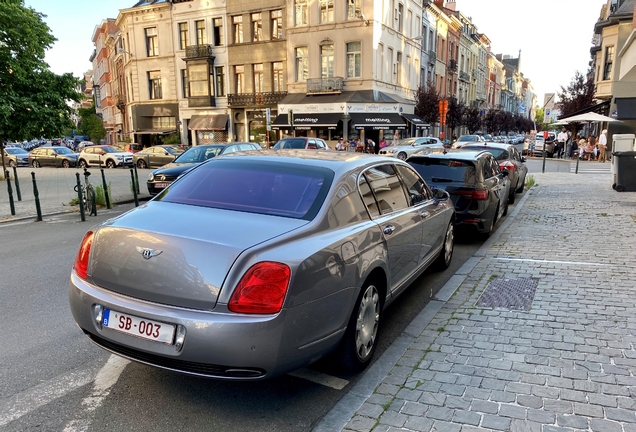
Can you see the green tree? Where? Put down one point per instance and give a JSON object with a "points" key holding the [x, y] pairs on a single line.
{"points": [[91, 125], [455, 116], [577, 96], [427, 103], [33, 100], [472, 119]]}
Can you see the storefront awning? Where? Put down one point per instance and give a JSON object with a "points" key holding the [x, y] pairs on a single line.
{"points": [[155, 132], [208, 122], [308, 121], [378, 121], [416, 121]]}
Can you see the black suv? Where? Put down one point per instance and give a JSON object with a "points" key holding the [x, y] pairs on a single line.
{"points": [[478, 188]]}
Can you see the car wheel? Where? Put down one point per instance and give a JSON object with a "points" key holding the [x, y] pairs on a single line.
{"points": [[505, 211], [36, 164], [520, 188], [110, 163], [360, 339], [446, 254], [401, 156], [82, 163], [511, 197], [491, 229], [141, 164], [66, 164]]}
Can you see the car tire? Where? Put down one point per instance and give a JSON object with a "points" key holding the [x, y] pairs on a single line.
{"points": [[446, 254], [82, 163], [505, 211], [491, 229], [511, 197], [401, 156], [359, 342], [141, 164], [110, 163], [523, 183], [35, 164], [66, 164]]}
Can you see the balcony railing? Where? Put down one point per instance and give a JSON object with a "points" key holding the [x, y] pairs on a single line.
{"points": [[464, 76], [324, 85], [432, 57], [255, 99], [198, 51], [452, 66]]}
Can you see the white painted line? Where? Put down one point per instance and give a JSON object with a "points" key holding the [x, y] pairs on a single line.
{"points": [[105, 379], [29, 400], [555, 262], [320, 378]]}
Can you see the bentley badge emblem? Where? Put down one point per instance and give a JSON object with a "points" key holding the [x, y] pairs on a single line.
{"points": [[148, 253]]}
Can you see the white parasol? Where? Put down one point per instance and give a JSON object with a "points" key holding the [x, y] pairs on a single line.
{"points": [[587, 117]]}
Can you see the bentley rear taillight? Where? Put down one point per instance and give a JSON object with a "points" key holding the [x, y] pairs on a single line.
{"points": [[262, 289], [81, 260], [507, 165], [476, 194]]}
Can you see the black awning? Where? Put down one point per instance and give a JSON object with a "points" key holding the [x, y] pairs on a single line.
{"points": [[308, 121], [378, 121], [208, 122], [599, 108], [417, 122]]}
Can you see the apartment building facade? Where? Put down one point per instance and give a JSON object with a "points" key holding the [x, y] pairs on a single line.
{"points": [[102, 38]]}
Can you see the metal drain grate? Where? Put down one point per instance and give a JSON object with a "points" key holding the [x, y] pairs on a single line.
{"points": [[514, 294]]}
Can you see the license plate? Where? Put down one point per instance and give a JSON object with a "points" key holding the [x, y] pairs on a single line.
{"points": [[161, 185], [140, 327]]}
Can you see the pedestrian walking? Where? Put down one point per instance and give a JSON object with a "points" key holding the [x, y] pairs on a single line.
{"points": [[602, 145], [562, 137]]}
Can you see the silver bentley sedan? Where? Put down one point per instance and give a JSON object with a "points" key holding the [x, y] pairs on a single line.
{"points": [[255, 264], [409, 146]]}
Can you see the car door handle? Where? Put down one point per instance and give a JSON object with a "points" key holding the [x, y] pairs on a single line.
{"points": [[424, 214], [388, 230]]}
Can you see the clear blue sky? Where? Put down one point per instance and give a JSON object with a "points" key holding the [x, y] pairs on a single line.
{"points": [[554, 36], [72, 22]]}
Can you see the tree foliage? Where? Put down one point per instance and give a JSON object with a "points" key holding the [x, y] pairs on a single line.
{"points": [[90, 124], [455, 116], [427, 103], [33, 100], [472, 119], [578, 95]]}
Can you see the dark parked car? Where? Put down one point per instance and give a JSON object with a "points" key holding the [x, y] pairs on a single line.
{"points": [[255, 264], [508, 158], [161, 178], [16, 156], [478, 188], [301, 143], [156, 156], [57, 156]]}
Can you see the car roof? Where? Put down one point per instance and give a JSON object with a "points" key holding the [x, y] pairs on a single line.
{"points": [[459, 154], [484, 145]]}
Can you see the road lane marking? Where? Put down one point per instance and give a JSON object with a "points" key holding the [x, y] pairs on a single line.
{"points": [[105, 379], [320, 378]]}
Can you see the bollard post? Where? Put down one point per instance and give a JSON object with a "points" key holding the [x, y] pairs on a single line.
{"points": [[36, 194], [134, 189], [136, 179], [576, 171], [80, 198], [105, 189], [544, 152], [11, 204], [17, 183]]}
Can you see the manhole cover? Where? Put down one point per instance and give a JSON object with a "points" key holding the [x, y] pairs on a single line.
{"points": [[509, 293]]}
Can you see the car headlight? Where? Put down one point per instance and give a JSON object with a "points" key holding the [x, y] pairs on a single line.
{"points": [[151, 176]]}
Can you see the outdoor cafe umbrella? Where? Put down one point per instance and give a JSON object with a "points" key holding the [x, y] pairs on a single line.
{"points": [[587, 117]]}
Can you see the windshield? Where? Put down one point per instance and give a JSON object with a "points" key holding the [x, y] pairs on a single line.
{"points": [[439, 170], [63, 150], [199, 154], [109, 149], [468, 138], [499, 154], [406, 142], [173, 149], [269, 188], [15, 151], [290, 144]]}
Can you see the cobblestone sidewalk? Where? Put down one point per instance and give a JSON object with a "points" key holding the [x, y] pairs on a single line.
{"points": [[563, 360]]}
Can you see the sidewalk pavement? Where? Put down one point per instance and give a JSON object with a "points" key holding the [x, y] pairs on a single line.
{"points": [[55, 189], [536, 332]]}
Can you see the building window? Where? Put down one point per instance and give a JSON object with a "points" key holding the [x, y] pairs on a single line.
{"points": [[408, 71], [609, 60], [201, 39], [183, 35], [277, 24], [152, 42], [391, 75], [258, 78], [239, 79], [400, 12], [353, 59], [220, 80], [198, 77], [154, 85], [409, 23], [257, 27], [302, 64], [326, 61], [326, 11], [354, 9], [399, 68], [164, 122], [237, 22], [300, 12], [277, 75], [218, 31], [381, 62], [184, 83]]}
